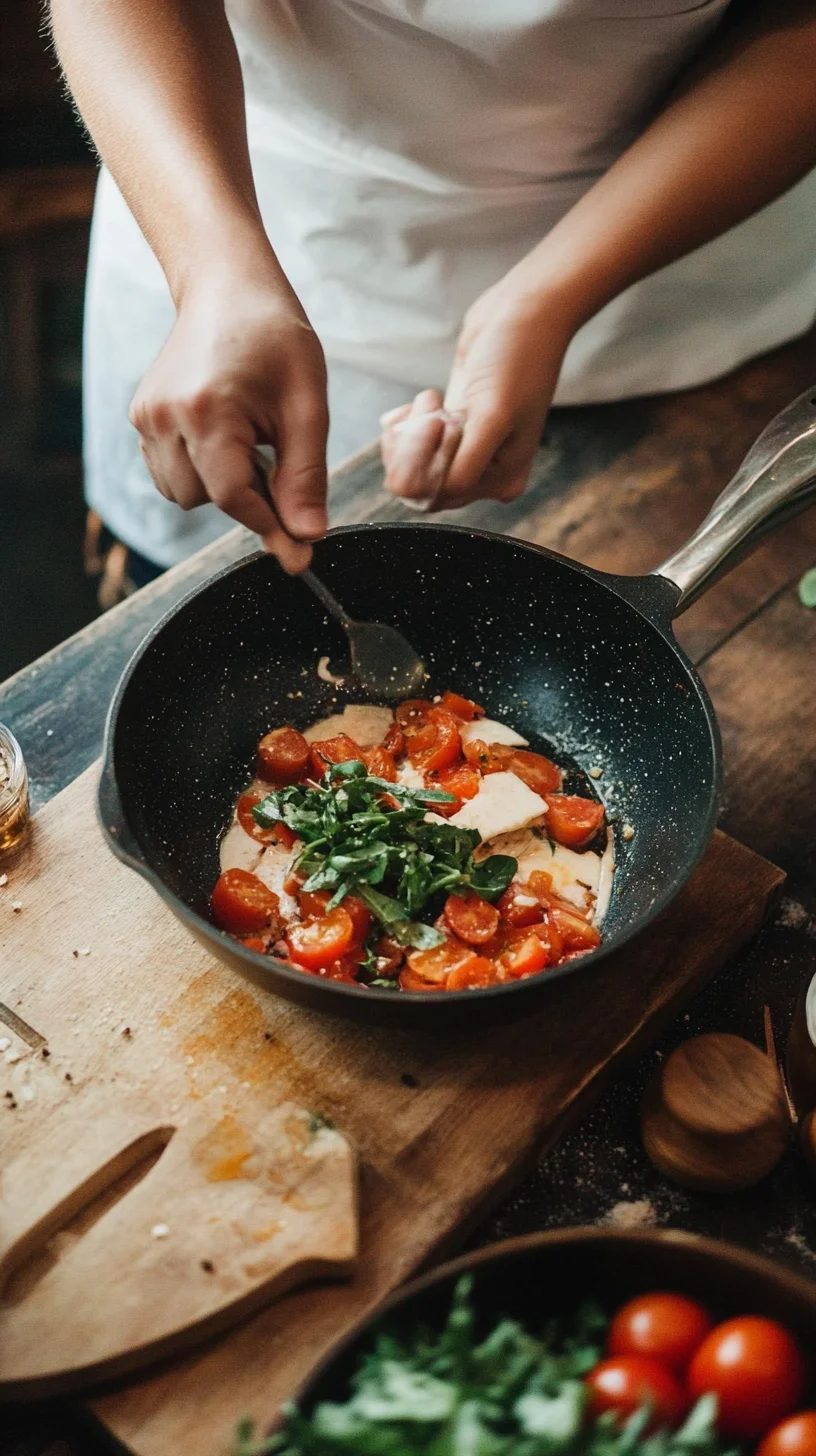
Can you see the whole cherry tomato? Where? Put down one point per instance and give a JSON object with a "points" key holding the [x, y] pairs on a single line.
{"points": [[755, 1368], [665, 1327], [283, 756], [795, 1437], [627, 1382]]}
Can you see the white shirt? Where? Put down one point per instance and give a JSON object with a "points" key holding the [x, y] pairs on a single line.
{"points": [[406, 154]]}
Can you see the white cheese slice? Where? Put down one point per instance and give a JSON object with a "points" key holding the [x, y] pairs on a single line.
{"points": [[273, 869], [238, 850], [605, 880], [409, 776], [575, 877], [503, 803], [491, 732], [366, 723]]}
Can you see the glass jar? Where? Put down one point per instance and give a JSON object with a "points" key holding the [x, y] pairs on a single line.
{"points": [[14, 810]]}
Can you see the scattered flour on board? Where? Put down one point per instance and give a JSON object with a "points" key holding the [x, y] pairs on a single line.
{"points": [[795, 917], [635, 1213]]}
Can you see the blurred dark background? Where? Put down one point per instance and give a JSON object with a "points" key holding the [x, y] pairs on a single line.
{"points": [[47, 175]]}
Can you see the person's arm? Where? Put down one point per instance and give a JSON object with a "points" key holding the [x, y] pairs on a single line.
{"points": [[737, 132], [159, 87]]}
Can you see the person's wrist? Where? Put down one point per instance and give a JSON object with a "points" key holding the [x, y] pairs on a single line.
{"points": [[558, 289], [228, 247]]}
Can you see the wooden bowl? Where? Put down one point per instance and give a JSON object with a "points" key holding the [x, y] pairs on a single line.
{"points": [[549, 1274]]}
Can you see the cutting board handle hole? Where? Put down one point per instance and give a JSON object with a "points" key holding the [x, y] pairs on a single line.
{"points": [[41, 1247]]}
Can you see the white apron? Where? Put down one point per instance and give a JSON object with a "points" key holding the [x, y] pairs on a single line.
{"points": [[406, 154]]}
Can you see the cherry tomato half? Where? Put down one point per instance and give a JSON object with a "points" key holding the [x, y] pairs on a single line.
{"points": [[519, 906], [665, 1327], [538, 772], [394, 740], [380, 764], [575, 930], [411, 715], [312, 904], [470, 917], [487, 757], [460, 779], [437, 745], [247, 820], [573, 821], [432, 967], [755, 1368], [795, 1437], [283, 756], [524, 954], [317, 943], [626, 1383], [475, 971], [340, 749], [463, 708], [242, 904]]}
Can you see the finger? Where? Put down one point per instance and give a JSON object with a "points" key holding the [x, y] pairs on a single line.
{"points": [[172, 470], [391, 417], [300, 483], [484, 436], [294, 556], [226, 467], [504, 478], [413, 441]]}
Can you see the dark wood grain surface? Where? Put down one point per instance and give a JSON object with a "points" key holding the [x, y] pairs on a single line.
{"points": [[618, 486]]}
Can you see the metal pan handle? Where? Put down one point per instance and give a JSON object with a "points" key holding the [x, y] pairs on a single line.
{"points": [[776, 480]]}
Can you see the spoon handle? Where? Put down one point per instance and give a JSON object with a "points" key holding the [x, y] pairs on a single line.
{"points": [[262, 465]]}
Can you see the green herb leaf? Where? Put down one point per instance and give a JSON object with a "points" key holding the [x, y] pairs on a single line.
{"points": [[491, 876]]}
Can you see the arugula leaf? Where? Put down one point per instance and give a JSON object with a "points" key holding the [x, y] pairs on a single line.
{"points": [[392, 915]]}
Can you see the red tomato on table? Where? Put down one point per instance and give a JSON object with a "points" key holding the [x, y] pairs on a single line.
{"points": [[573, 821], [665, 1327], [241, 903], [757, 1371], [283, 756], [627, 1382], [470, 917], [436, 745], [317, 943], [795, 1437]]}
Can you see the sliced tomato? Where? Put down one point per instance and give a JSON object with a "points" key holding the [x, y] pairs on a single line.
{"points": [[550, 936], [241, 903], [410, 981], [471, 918], [283, 756], [573, 821], [254, 942], [294, 882], [460, 779], [343, 969], [412, 715], [524, 954], [437, 745], [247, 820], [434, 966], [463, 708], [576, 931], [487, 757], [312, 904], [284, 836], [476, 971], [539, 773], [340, 749], [394, 740], [380, 764], [540, 884], [390, 956], [519, 906], [317, 943]]}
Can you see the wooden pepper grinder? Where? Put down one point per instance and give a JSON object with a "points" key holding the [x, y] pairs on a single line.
{"points": [[715, 1117]]}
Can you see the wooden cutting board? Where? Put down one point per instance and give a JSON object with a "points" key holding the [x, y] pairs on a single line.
{"points": [[137, 1020]]}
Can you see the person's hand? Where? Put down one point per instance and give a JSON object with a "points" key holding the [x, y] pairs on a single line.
{"points": [[480, 440], [242, 367]]}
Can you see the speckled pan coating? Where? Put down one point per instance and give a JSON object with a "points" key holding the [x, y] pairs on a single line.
{"points": [[583, 664]]}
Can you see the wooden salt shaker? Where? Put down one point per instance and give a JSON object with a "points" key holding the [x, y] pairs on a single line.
{"points": [[715, 1118]]}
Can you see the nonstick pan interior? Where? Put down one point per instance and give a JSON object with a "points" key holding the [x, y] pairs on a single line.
{"points": [[556, 651]]}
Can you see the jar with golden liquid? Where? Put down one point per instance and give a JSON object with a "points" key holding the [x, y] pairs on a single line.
{"points": [[14, 808]]}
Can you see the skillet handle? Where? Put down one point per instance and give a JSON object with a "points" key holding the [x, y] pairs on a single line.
{"points": [[776, 480]]}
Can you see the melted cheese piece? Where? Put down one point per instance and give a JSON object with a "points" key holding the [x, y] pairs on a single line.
{"points": [[273, 869], [238, 850], [365, 723], [503, 803], [575, 877], [410, 777], [491, 732]]}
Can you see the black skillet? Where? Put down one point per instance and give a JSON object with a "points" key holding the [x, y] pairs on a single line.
{"points": [[582, 663]]}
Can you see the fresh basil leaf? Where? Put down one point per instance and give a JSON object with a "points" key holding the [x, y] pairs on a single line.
{"points": [[392, 914], [490, 877]]}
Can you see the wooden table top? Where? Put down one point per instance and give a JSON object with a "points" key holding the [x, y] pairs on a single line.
{"points": [[619, 487]]}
